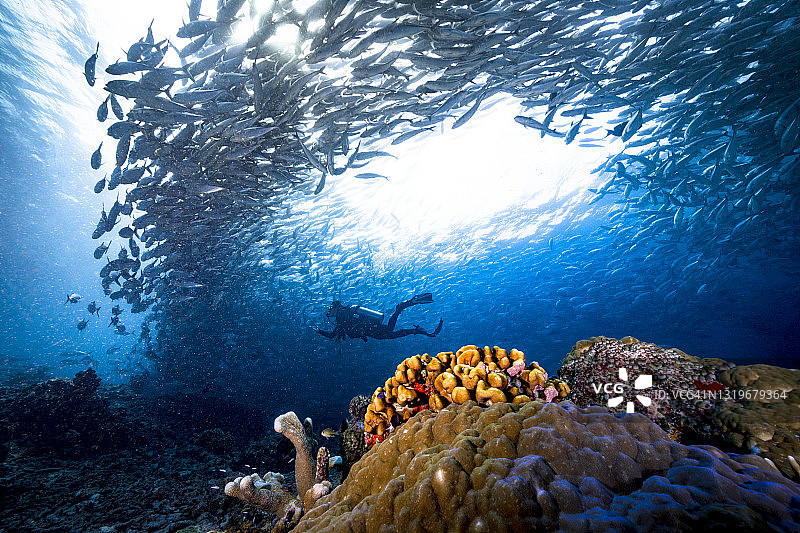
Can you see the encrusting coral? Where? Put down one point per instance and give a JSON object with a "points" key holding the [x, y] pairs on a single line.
{"points": [[352, 442], [537, 466], [321, 486], [485, 375], [602, 361]]}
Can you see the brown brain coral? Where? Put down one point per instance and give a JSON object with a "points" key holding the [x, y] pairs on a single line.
{"points": [[545, 466]]}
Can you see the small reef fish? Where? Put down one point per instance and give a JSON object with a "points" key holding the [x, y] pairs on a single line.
{"points": [[86, 360], [88, 67], [73, 298], [329, 433], [99, 186], [82, 323], [618, 129], [93, 308], [97, 158]]}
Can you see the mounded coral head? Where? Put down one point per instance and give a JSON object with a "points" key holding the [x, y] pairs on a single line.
{"points": [[543, 467]]}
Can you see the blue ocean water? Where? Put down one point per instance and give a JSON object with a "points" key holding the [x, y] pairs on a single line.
{"points": [[235, 311]]}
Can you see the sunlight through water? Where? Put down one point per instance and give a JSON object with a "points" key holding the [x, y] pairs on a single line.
{"points": [[448, 182]]}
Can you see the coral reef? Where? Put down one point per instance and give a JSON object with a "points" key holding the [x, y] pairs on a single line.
{"points": [[487, 376], [764, 415], [144, 475], [267, 494], [322, 485], [311, 477], [352, 441], [323, 463], [537, 466], [301, 435], [603, 362], [65, 417], [752, 409]]}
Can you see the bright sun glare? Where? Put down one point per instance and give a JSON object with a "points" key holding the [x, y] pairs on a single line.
{"points": [[455, 181]]}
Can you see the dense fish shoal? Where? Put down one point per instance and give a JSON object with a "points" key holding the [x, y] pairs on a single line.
{"points": [[220, 133]]}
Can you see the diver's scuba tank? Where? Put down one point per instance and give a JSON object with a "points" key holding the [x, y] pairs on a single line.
{"points": [[369, 314]]}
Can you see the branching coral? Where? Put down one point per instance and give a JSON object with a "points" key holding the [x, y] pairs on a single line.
{"points": [[267, 494], [487, 376], [300, 434]]}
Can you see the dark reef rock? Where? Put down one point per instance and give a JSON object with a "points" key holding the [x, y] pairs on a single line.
{"points": [[765, 415], [84, 457], [64, 418], [216, 441], [352, 440]]}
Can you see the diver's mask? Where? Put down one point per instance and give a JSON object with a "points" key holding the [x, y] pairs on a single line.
{"points": [[333, 308]]}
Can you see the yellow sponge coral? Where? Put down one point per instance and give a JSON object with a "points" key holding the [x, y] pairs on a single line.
{"points": [[486, 375]]}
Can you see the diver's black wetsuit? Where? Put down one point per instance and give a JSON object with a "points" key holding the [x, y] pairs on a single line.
{"points": [[355, 326]]}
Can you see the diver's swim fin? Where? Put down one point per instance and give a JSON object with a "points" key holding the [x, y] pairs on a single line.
{"points": [[424, 298], [419, 331], [438, 328]]}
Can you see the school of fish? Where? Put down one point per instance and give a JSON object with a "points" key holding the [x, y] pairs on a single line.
{"points": [[702, 96]]}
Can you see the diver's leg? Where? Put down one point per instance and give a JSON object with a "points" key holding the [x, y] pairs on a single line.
{"points": [[419, 331], [393, 319], [327, 334], [399, 333], [424, 298]]}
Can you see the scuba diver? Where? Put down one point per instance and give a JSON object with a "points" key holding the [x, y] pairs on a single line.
{"points": [[359, 322]]}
